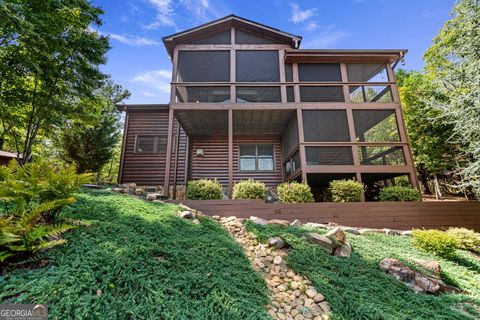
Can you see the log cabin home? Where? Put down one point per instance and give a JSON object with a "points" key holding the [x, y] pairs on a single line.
{"points": [[247, 102]]}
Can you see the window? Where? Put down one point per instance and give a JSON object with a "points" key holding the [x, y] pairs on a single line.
{"points": [[257, 66], [256, 157], [325, 125], [203, 66], [367, 72], [288, 72], [319, 72], [245, 37], [151, 144], [375, 125], [222, 37], [328, 156]]}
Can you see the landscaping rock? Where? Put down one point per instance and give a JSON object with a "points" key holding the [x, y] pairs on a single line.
{"points": [[186, 215], [413, 279], [276, 242], [139, 192], [151, 197], [431, 266], [277, 260], [296, 223], [338, 234], [259, 221], [118, 190], [365, 231], [321, 240], [390, 232], [344, 250], [316, 225], [351, 230], [131, 185], [407, 233], [283, 223]]}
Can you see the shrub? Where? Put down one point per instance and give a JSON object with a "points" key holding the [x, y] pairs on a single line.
{"points": [[24, 233], [435, 241], [294, 192], [467, 239], [346, 190], [249, 189], [399, 193], [204, 189]]}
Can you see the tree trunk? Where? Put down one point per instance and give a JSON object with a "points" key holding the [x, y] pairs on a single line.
{"points": [[424, 180], [438, 194]]}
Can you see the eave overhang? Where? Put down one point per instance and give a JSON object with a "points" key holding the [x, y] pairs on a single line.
{"points": [[345, 55]]}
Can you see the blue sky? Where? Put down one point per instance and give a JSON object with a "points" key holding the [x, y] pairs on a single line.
{"points": [[138, 60]]}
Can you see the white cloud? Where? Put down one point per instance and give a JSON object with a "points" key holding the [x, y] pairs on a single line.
{"points": [[326, 38], [200, 9], [164, 14], [155, 79], [311, 26], [299, 15], [133, 40]]}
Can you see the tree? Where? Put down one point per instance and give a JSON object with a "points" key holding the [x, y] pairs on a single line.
{"points": [[49, 61], [90, 145], [428, 133], [453, 61]]}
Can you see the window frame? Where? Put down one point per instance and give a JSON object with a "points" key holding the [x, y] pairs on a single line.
{"points": [[272, 145], [156, 138]]}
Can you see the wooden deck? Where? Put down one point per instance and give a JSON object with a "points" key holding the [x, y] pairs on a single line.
{"points": [[393, 215]]}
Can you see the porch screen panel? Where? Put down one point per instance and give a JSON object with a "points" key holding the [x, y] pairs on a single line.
{"points": [[222, 37], [381, 155], [258, 94], [367, 72], [325, 125], [290, 137], [288, 72], [257, 66], [203, 66], [329, 156], [376, 125], [245, 37], [203, 94], [317, 72], [321, 94]]}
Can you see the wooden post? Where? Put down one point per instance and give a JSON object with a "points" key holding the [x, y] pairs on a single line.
{"points": [[301, 149], [230, 151], [124, 147], [168, 159]]}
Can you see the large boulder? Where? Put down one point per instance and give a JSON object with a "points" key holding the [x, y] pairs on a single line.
{"points": [[323, 241], [259, 221], [276, 242], [413, 279], [344, 250], [338, 234], [283, 223]]}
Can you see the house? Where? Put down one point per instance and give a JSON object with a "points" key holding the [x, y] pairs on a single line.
{"points": [[247, 102], [6, 157]]}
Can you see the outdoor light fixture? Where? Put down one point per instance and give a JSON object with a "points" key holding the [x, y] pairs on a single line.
{"points": [[200, 153]]}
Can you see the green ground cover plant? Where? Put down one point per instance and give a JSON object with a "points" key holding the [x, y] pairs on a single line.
{"points": [[357, 289], [138, 260]]}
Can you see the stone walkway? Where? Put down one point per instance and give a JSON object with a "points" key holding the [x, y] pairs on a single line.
{"points": [[292, 296]]}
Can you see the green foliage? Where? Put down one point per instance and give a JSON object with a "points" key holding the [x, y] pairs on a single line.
{"points": [[467, 239], [346, 190], [435, 241], [249, 189], [453, 63], [204, 189], [294, 192], [354, 286], [23, 233], [399, 193], [90, 146], [149, 264]]}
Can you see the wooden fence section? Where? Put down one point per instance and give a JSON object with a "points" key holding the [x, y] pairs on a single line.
{"points": [[393, 215]]}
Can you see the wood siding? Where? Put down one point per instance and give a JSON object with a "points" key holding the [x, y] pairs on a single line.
{"points": [[149, 169], [214, 162], [393, 215]]}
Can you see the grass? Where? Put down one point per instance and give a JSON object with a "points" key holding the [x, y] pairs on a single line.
{"points": [[148, 264], [357, 289]]}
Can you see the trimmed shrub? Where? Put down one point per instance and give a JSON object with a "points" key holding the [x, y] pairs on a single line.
{"points": [[346, 190], [399, 193], [249, 189], [435, 241], [467, 239], [294, 192], [204, 189]]}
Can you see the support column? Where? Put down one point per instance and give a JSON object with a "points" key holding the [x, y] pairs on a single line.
{"points": [[230, 151], [168, 159], [301, 149], [356, 159]]}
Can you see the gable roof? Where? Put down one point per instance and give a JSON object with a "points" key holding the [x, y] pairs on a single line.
{"points": [[227, 22]]}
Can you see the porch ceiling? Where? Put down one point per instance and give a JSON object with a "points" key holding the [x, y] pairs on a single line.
{"points": [[215, 122]]}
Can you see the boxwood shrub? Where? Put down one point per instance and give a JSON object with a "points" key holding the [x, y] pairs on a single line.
{"points": [[467, 239], [294, 192], [204, 189], [399, 193], [249, 189], [435, 241], [346, 190]]}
